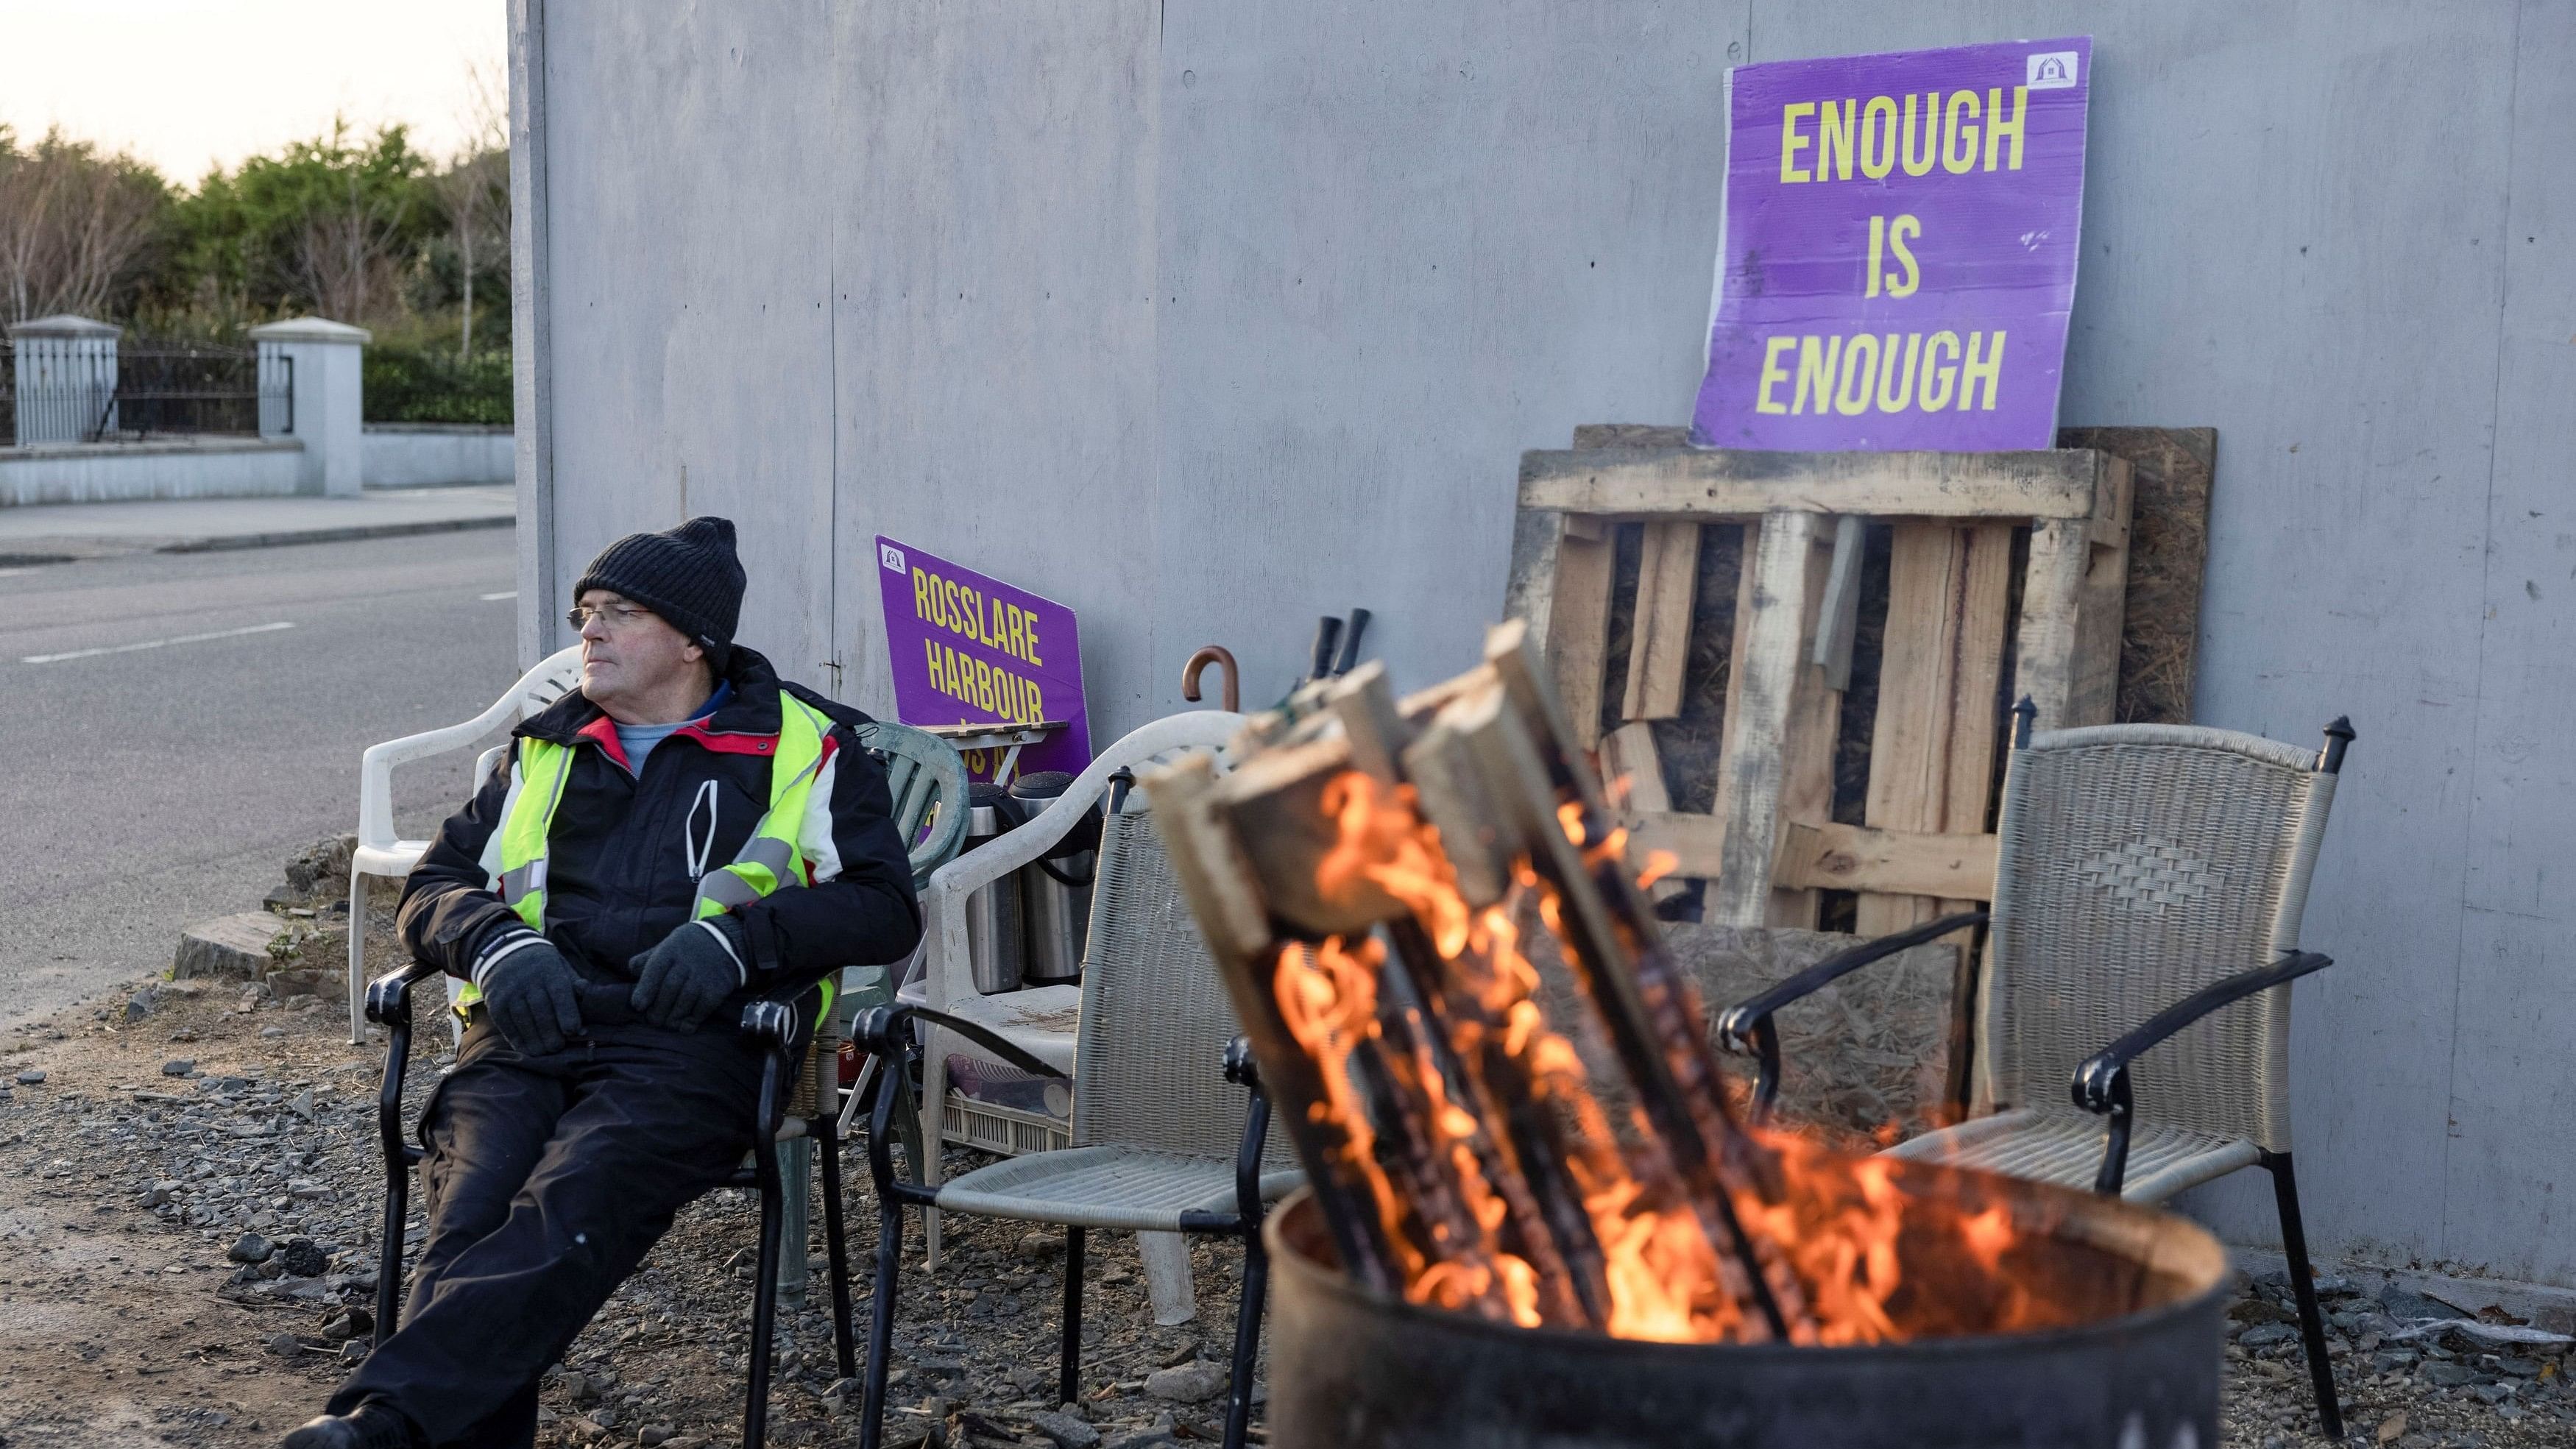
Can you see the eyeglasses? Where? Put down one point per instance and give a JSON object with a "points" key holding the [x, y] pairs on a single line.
{"points": [[615, 616]]}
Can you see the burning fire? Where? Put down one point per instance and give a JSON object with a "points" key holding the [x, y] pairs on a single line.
{"points": [[1506, 1181]]}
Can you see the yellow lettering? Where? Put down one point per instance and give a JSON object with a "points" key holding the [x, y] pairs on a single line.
{"points": [[1772, 374], [1834, 137], [930, 648], [1955, 157], [1878, 137], [1011, 616], [1897, 231], [1851, 399], [1037, 702], [1991, 369], [1896, 379], [920, 593], [1816, 359], [1919, 165], [983, 686], [948, 592], [1939, 377], [1031, 623], [1997, 127], [1791, 143], [1877, 250]]}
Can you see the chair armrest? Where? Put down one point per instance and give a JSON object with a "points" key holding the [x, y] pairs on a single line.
{"points": [[1240, 1068], [943, 901], [880, 1031], [2092, 1085], [2101, 1084], [389, 995], [376, 769], [1747, 1024], [376, 766], [885, 1032]]}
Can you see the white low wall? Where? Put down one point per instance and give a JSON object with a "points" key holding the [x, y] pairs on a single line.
{"points": [[425, 455], [173, 468]]}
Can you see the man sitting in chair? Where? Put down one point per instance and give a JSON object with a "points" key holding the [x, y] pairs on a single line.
{"points": [[686, 826]]}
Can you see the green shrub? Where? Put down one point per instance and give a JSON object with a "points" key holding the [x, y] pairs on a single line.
{"points": [[408, 386]]}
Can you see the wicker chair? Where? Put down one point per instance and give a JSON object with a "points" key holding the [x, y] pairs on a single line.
{"points": [[2145, 918], [1160, 1144]]}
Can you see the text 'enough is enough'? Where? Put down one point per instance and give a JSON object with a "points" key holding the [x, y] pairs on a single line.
{"points": [[1893, 372]]}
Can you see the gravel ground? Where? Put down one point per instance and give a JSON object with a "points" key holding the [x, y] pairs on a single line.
{"points": [[188, 1196], [188, 1212], [2405, 1380]]}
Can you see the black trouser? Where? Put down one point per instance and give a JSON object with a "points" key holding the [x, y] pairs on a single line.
{"points": [[548, 1179]]}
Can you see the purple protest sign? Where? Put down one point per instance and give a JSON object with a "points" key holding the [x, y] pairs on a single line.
{"points": [[1897, 254], [966, 648]]}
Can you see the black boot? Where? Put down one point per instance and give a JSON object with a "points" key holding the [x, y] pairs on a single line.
{"points": [[372, 1425]]}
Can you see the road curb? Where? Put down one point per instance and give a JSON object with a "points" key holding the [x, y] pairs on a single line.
{"points": [[350, 534]]}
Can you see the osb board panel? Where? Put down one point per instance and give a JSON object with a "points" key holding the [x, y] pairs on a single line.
{"points": [[1864, 1060], [2171, 473]]}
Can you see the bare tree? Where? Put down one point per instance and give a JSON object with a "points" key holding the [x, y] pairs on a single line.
{"points": [[72, 224], [349, 253], [476, 186]]}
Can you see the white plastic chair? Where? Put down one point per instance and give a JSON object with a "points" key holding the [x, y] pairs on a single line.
{"points": [[379, 852], [1042, 1020]]}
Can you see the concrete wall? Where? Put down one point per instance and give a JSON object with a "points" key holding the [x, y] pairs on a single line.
{"points": [[1208, 319], [178, 468], [431, 455]]}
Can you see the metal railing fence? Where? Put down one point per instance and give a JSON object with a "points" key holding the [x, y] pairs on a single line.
{"points": [[144, 392]]}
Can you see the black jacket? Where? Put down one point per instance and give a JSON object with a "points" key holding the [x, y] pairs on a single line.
{"points": [[618, 855]]}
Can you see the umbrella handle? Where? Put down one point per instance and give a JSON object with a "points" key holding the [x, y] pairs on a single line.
{"points": [[1213, 654]]}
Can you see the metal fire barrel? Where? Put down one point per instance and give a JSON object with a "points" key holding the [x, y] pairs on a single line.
{"points": [[994, 948], [1055, 889], [1353, 1370]]}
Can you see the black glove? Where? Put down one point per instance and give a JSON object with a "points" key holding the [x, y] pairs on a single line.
{"points": [[689, 975], [534, 998]]}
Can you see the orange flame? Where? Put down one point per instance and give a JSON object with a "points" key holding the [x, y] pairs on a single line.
{"points": [[1841, 1224]]}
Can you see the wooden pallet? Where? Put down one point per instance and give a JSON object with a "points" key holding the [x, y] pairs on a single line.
{"points": [[1770, 846]]}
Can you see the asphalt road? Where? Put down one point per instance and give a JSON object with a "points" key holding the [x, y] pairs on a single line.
{"points": [[174, 728]]}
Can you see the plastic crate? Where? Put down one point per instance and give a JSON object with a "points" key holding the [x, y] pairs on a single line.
{"points": [[1006, 1130]]}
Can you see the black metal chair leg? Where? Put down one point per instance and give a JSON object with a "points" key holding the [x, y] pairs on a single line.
{"points": [[881, 1323], [827, 1151], [389, 1256], [764, 1296], [2312, 1326], [1068, 1377], [398, 1159], [1247, 1339]]}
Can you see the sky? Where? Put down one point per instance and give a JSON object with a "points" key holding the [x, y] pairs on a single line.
{"points": [[189, 84]]}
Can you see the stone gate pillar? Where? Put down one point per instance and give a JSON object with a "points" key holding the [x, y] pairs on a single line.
{"points": [[326, 412], [66, 390]]}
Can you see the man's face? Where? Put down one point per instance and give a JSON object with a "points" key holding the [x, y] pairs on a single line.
{"points": [[628, 652]]}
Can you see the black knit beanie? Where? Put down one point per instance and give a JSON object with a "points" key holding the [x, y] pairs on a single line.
{"points": [[688, 575]]}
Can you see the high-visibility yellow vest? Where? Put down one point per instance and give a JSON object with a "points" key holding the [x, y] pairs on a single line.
{"points": [[768, 861]]}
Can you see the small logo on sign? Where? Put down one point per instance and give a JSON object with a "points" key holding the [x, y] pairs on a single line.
{"points": [[2052, 70], [891, 557]]}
